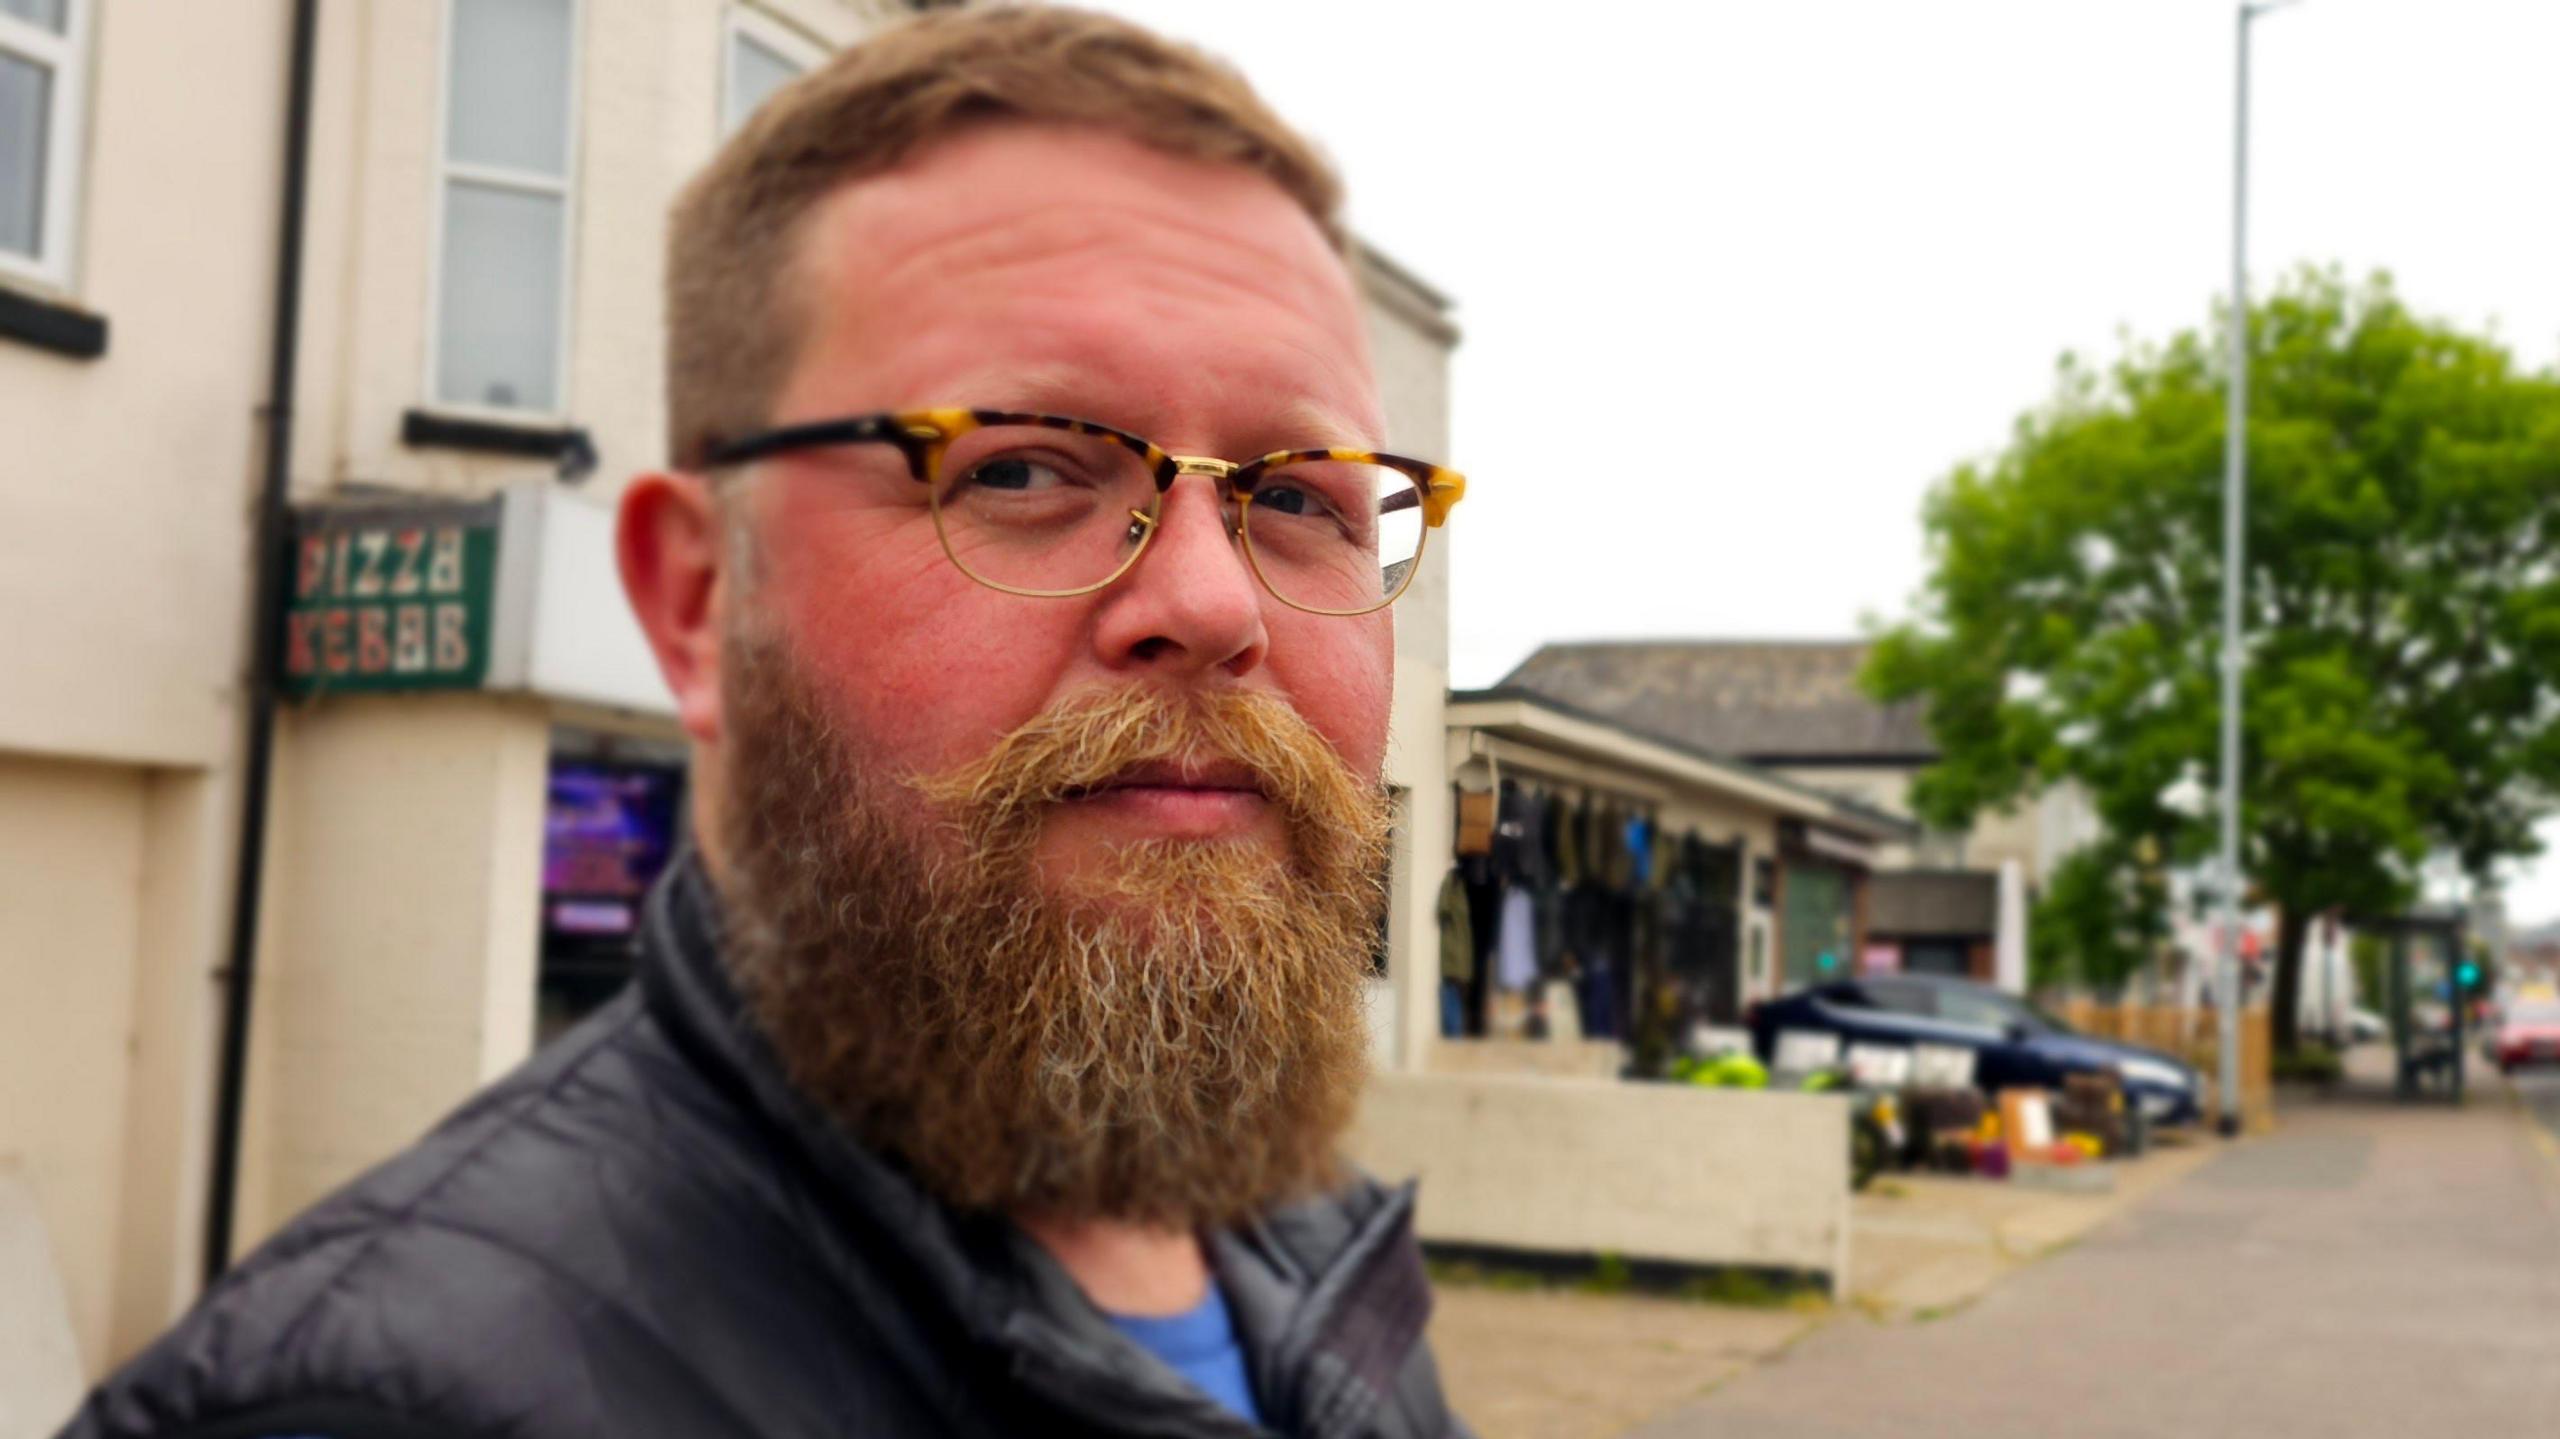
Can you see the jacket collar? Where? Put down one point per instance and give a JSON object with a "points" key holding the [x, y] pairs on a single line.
{"points": [[1329, 1296], [689, 992]]}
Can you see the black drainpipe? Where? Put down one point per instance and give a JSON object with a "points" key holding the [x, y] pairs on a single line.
{"points": [[272, 565]]}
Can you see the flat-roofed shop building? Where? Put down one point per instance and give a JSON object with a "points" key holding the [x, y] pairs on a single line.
{"points": [[1639, 864], [1795, 709]]}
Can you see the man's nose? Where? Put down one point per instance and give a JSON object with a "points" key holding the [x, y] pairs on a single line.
{"points": [[1191, 604]]}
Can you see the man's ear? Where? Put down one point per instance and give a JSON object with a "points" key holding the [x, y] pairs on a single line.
{"points": [[668, 541]]}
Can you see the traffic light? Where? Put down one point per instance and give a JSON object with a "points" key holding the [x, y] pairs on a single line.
{"points": [[2467, 974]]}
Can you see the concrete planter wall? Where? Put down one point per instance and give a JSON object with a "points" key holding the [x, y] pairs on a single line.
{"points": [[1645, 1171]]}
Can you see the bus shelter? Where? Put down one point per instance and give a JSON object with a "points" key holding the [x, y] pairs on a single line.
{"points": [[2425, 996]]}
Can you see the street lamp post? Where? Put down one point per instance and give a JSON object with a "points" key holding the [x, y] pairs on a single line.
{"points": [[2235, 472]]}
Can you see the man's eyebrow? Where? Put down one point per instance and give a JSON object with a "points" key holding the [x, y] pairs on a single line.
{"points": [[1046, 389], [1299, 422], [1303, 423]]}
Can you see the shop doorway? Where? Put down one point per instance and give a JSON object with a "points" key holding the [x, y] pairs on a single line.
{"points": [[1706, 949], [1815, 925], [611, 821]]}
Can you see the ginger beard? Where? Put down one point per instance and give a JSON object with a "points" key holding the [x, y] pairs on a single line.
{"points": [[1173, 1036]]}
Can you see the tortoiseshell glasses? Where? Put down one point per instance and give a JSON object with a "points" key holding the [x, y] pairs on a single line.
{"points": [[1047, 506]]}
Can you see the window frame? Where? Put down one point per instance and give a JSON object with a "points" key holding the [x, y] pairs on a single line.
{"points": [[753, 23], [444, 171], [65, 58]]}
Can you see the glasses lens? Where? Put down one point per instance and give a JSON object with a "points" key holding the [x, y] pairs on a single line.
{"points": [[1335, 535], [1033, 508]]}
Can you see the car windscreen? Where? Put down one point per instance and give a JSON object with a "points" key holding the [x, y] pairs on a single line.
{"points": [[1980, 1008], [1901, 998], [1990, 1009]]}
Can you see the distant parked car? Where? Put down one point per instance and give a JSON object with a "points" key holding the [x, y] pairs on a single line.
{"points": [[2529, 1033], [2355, 1026], [2014, 1043]]}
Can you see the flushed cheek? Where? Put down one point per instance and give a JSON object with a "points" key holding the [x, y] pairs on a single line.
{"points": [[928, 678], [1343, 685]]}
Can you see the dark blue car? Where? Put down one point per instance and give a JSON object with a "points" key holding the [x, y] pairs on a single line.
{"points": [[2014, 1043]]}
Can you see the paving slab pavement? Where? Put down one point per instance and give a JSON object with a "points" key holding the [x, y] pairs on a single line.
{"points": [[2538, 1090], [2370, 1269], [1554, 1364], [1558, 1364], [1922, 1246]]}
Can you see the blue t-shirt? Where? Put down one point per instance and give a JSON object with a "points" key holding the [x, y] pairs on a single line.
{"points": [[1200, 1345]]}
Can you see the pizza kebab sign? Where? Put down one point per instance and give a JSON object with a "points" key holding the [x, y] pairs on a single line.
{"points": [[391, 597]]}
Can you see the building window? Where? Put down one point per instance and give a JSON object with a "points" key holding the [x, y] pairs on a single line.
{"points": [[40, 115], [510, 146], [762, 56]]}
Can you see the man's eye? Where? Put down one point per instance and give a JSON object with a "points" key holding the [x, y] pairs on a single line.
{"points": [[1017, 473], [1289, 500]]}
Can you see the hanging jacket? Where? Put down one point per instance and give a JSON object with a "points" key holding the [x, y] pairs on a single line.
{"points": [[1618, 871], [1567, 823], [1515, 962], [1639, 842], [1457, 930], [645, 1231], [1521, 837]]}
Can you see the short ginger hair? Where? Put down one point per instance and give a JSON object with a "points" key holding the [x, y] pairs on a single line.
{"points": [[734, 240]]}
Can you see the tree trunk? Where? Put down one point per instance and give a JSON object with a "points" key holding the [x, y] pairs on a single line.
{"points": [[2293, 933]]}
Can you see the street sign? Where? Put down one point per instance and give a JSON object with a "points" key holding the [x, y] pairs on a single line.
{"points": [[390, 597]]}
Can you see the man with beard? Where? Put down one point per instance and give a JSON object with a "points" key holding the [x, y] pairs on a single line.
{"points": [[993, 1039]]}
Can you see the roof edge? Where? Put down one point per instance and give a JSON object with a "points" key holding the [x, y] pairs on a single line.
{"points": [[1893, 825]]}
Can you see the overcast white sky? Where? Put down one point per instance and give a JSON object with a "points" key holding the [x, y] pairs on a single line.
{"points": [[1786, 263]]}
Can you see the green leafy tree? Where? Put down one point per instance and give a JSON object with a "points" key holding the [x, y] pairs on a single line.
{"points": [[2102, 913], [2371, 956], [2402, 598]]}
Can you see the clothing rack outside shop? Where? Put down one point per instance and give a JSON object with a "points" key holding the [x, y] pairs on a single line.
{"points": [[1575, 912]]}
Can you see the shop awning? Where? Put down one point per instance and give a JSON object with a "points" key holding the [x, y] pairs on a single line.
{"points": [[1512, 717]]}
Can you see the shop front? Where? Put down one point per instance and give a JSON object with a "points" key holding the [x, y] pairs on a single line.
{"points": [[1613, 892], [1823, 874], [613, 813]]}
